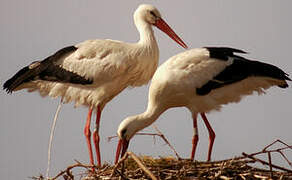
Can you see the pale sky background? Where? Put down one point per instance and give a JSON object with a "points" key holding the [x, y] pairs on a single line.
{"points": [[33, 29]]}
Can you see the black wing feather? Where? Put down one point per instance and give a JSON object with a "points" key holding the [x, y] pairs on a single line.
{"points": [[46, 70], [222, 53], [58, 74], [240, 69]]}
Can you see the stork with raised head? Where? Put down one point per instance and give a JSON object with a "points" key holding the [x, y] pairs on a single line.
{"points": [[201, 80], [95, 71]]}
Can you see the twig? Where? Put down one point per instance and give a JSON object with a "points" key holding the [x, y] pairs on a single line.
{"points": [[270, 165], [265, 163], [278, 140], [154, 134], [167, 142], [285, 158], [279, 150], [78, 164], [138, 161], [38, 178], [143, 134], [117, 165], [274, 150], [51, 138]]}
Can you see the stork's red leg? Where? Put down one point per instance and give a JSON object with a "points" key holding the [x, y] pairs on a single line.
{"points": [[211, 135], [87, 134], [96, 135], [195, 137]]}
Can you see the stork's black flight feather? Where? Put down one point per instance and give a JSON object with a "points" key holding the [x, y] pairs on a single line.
{"points": [[48, 70], [239, 69]]}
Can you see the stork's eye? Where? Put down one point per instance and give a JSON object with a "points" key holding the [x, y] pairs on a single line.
{"points": [[153, 14], [123, 132]]}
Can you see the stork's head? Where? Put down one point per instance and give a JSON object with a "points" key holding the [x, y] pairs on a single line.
{"points": [[149, 14], [127, 129]]}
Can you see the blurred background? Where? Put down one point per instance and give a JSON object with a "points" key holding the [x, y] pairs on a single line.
{"points": [[32, 30]]}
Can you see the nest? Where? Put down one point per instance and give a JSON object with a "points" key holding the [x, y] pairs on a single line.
{"points": [[170, 168], [145, 167]]}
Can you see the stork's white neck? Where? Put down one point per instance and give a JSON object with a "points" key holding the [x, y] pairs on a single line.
{"points": [[148, 117], [132, 124], [147, 37]]}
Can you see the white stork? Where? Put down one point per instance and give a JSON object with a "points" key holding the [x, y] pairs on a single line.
{"points": [[95, 71], [201, 80]]}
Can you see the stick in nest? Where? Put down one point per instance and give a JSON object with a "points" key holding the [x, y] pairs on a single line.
{"points": [[159, 133], [68, 169], [278, 150], [266, 163], [167, 142], [138, 161]]}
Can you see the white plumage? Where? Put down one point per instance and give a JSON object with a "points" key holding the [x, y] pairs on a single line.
{"points": [[202, 80], [95, 71], [112, 66], [177, 79]]}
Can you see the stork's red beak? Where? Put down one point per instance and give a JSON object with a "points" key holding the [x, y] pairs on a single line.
{"points": [[122, 145], [163, 26]]}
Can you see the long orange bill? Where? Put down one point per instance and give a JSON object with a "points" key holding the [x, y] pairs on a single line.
{"points": [[122, 145], [163, 26]]}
